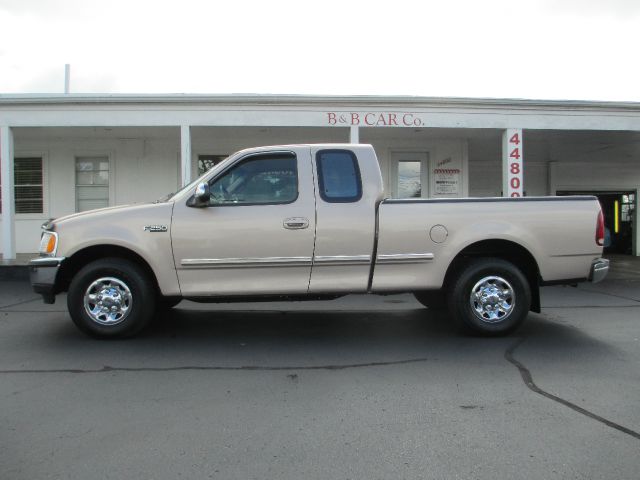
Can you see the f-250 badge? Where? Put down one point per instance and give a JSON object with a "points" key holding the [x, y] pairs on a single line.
{"points": [[155, 228]]}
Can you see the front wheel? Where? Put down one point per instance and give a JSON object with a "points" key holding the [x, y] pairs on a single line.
{"points": [[490, 297], [111, 298]]}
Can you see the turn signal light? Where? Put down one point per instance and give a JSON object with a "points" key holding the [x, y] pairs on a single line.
{"points": [[48, 243], [600, 229]]}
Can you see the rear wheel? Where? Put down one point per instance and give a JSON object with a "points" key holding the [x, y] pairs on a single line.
{"points": [[111, 298], [490, 297]]}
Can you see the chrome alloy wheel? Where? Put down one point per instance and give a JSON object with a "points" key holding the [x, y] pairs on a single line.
{"points": [[108, 301], [492, 299]]}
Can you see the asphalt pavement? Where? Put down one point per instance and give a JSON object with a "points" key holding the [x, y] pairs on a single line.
{"points": [[363, 387]]}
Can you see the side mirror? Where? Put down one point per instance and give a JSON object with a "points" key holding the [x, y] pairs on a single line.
{"points": [[201, 196]]}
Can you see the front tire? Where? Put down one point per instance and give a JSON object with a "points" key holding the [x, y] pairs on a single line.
{"points": [[490, 297], [111, 298]]}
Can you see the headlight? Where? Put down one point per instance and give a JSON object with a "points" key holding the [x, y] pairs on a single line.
{"points": [[48, 243]]}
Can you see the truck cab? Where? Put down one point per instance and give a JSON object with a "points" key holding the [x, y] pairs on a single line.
{"points": [[287, 210]]}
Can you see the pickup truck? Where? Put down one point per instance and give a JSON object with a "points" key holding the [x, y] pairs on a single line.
{"points": [[312, 222]]}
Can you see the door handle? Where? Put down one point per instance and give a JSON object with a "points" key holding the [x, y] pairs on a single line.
{"points": [[295, 223]]}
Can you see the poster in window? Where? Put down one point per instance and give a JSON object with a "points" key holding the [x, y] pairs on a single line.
{"points": [[447, 181]]}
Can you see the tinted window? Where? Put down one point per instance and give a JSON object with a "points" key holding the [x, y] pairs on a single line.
{"points": [[262, 179], [338, 176]]}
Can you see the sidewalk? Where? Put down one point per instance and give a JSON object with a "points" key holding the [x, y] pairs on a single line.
{"points": [[16, 269], [21, 260]]}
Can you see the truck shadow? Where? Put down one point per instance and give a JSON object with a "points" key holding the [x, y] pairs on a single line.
{"points": [[264, 339], [308, 327], [304, 338]]}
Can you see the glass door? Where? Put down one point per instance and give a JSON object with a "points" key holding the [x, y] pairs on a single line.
{"points": [[409, 175]]}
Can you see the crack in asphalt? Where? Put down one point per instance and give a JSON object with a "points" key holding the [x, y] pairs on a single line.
{"points": [[590, 306], [107, 368], [2, 307], [528, 381], [2, 310], [610, 294], [527, 378]]}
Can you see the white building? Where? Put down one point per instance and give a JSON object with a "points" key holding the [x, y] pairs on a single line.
{"points": [[67, 153]]}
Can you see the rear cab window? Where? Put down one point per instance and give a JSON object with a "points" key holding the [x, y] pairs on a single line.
{"points": [[338, 176]]}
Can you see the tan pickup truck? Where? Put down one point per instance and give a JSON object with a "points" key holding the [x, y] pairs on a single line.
{"points": [[312, 222]]}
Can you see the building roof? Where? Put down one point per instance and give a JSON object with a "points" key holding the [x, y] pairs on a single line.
{"points": [[284, 100]]}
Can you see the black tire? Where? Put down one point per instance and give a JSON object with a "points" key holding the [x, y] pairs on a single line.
{"points": [[432, 299], [119, 284], [505, 304]]}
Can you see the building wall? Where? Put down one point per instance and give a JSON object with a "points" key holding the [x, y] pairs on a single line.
{"points": [[141, 169], [145, 162], [450, 153], [485, 178]]}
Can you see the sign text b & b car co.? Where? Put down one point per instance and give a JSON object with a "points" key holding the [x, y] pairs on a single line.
{"points": [[374, 119]]}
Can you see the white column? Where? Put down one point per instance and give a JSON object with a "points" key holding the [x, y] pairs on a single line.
{"points": [[185, 154], [354, 134], [512, 163], [552, 178], [8, 205], [67, 78]]}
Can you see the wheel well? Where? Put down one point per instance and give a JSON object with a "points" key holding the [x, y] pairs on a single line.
{"points": [[506, 250], [73, 264]]}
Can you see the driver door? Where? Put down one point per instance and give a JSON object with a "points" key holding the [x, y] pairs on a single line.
{"points": [[256, 236]]}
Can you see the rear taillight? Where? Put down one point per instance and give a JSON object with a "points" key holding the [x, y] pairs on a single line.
{"points": [[600, 229]]}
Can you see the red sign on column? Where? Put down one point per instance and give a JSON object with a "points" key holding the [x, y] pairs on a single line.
{"points": [[512, 163]]}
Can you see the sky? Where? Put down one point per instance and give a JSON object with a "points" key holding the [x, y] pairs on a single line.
{"points": [[536, 49]]}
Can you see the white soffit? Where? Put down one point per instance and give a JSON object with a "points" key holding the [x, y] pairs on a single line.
{"points": [[21, 110]]}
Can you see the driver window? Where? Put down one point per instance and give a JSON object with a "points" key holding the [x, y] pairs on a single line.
{"points": [[258, 180]]}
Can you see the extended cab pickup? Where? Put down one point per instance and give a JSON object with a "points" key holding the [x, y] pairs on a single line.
{"points": [[312, 222]]}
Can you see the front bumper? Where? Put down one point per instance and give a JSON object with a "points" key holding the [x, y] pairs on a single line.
{"points": [[43, 272], [599, 269]]}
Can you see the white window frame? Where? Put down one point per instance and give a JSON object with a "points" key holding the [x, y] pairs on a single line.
{"points": [[110, 156], [45, 184]]}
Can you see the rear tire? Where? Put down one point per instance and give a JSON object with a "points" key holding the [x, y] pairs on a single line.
{"points": [[490, 297], [111, 298]]}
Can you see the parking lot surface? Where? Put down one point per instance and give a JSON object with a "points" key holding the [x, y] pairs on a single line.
{"points": [[363, 387]]}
